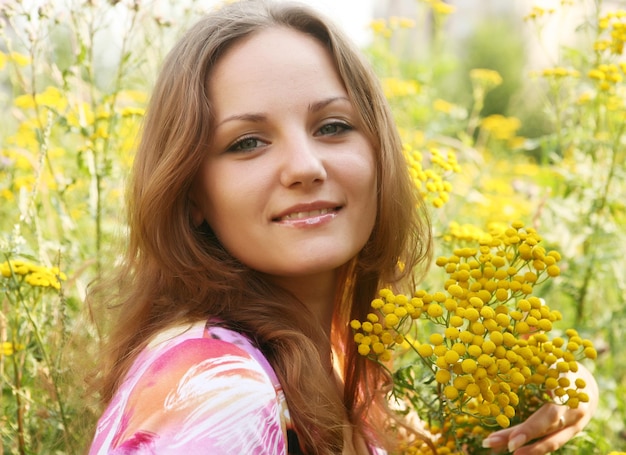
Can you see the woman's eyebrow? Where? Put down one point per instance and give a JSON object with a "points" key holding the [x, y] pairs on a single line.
{"points": [[257, 117], [319, 105], [248, 117]]}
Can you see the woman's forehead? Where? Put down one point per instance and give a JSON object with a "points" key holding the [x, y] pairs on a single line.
{"points": [[273, 66]]}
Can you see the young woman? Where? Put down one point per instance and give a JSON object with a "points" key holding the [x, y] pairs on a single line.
{"points": [[269, 202]]}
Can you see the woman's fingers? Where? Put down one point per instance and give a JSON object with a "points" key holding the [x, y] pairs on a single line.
{"points": [[549, 443], [550, 427], [544, 431], [548, 420]]}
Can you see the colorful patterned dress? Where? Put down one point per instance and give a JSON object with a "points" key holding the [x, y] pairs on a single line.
{"points": [[198, 390], [202, 389]]}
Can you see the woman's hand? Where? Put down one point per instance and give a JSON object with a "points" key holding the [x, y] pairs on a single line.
{"points": [[550, 427]]}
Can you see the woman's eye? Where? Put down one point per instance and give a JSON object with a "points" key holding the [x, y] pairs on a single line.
{"points": [[331, 129], [246, 144]]}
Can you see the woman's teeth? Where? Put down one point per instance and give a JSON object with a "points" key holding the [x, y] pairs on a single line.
{"points": [[309, 214]]}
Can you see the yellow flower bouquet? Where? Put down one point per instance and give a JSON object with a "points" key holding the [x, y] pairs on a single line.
{"points": [[482, 356]]}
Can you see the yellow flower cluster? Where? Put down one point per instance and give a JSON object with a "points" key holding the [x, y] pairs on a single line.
{"points": [[606, 76], [614, 23], [8, 348], [429, 171], [379, 27], [464, 428], [465, 233], [385, 27], [537, 12], [103, 128], [80, 114], [559, 73], [444, 106], [501, 127], [440, 7], [485, 78], [399, 88], [50, 97], [14, 57], [32, 274], [378, 335], [489, 356]]}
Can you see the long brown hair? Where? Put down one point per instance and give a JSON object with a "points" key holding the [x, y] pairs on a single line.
{"points": [[175, 272]]}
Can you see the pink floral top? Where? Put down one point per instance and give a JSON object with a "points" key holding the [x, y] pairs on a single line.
{"points": [[198, 390], [193, 390]]}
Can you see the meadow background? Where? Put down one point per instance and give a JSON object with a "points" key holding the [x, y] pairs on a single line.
{"points": [[512, 122]]}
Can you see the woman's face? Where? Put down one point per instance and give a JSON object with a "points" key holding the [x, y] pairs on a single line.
{"points": [[289, 182]]}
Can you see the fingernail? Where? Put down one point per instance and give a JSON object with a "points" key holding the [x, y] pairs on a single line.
{"points": [[492, 441], [517, 442]]}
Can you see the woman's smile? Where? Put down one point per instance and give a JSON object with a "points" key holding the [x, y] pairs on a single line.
{"points": [[297, 216]]}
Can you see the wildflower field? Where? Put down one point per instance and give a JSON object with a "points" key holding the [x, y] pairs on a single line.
{"points": [[515, 135]]}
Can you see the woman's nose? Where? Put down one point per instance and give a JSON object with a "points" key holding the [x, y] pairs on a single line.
{"points": [[302, 163]]}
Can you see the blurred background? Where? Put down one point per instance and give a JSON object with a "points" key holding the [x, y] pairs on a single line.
{"points": [[509, 110]]}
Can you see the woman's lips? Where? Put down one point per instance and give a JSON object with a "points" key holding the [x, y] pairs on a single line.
{"points": [[307, 214], [308, 217]]}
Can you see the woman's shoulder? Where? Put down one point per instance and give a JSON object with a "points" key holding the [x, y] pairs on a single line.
{"points": [[200, 344], [197, 386], [202, 350]]}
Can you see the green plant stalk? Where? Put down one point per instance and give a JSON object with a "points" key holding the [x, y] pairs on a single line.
{"points": [[17, 378], [53, 376], [92, 29], [44, 130], [84, 60], [21, 82], [596, 210], [57, 392], [474, 117], [30, 207], [107, 142], [30, 217], [1, 386], [101, 155], [558, 120], [16, 387]]}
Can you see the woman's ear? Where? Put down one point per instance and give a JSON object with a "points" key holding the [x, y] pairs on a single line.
{"points": [[197, 217]]}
